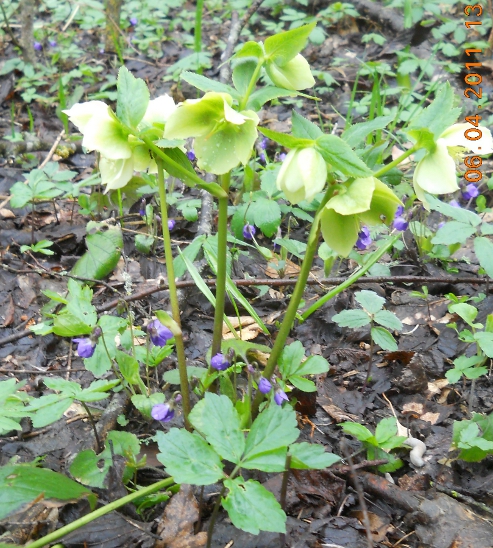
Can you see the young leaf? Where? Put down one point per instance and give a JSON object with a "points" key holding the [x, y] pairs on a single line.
{"points": [[384, 339], [357, 430], [305, 456], [466, 311], [188, 458], [314, 365], [252, 508], [218, 421], [356, 134], [286, 140], [132, 98], [267, 216], [484, 252], [351, 318], [258, 98], [303, 128], [291, 358], [370, 301], [388, 319], [341, 156], [282, 47], [485, 342]]}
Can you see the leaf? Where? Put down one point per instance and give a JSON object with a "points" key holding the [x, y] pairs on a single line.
{"points": [[104, 245], [243, 71], [453, 232], [291, 358], [132, 98], [188, 458], [302, 383], [252, 508], [273, 429], [370, 301], [267, 216], [303, 128], [206, 84], [145, 403], [219, 422], [294, 247], [173, 376], [466, 311], [351, 318], [20, 484], [286, 140], [484, 252], [388, 319], [284, 46], [341, 156], [258, 98], [306, 456], [485, 342], [99, 363], [356, 134], [357, 430], [457, 213], [314, 365], [190, 252], [384, 339], [386, 429]]}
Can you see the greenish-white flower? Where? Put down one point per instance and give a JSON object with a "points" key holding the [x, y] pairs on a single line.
{"points": [[294, 74], [302, 175], [223, 136], [435, 173]]}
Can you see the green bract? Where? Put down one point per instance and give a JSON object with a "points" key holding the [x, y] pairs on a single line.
{"points": [[223, 136], [365, 200], [295, 74], [303, 174]]}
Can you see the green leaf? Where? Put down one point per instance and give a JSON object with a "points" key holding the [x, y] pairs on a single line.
{"points": [[303, 128], [188, 458], [144, 243], [252, 508], [384, 339], [273, 429], [20, 484], [206, 84], [314, 365], [466, 311], [294, 247], [190, 252], [303, 384], [90, 469], [104, 246], [388, 319], [453, 232], [218, 421], [386, 429], [145, 403], [306, 456], [267, 216], [173, 376], [370, 301], [457, 213], [284, 46], [129, 367], [99, 363], [357, 430], [132, 98], [258, 98], [484, 252], [291, 358], [485, 342], [286, 140], [351, 318], [243, 72], [70, 325], [341, 156], [355, 135]]}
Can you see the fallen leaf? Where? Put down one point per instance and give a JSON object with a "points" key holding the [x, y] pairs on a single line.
{"points": [[436, 387], [9, 313], [378, 525], [430, 417], [7, 214], [247, 326], [290, 269]]}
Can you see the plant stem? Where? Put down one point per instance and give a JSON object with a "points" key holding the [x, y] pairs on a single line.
{"points": [[212, 522], [52, 537], [197, 39], [222, 250], [370, 358], [251, 85], [295, 300], [173, 295], [93, 424], [396, 162]]}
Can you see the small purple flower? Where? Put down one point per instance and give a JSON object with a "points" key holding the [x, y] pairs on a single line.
{"points": [[280, 396], [282, 156], [249, 231], [250, 368], [133, 21], [52, 43], [160, 334], [399, 211], [37, 46], [264, 385], [263, 143], [219, 362], [454, 203], [142, 210], [191, 155], [261, 157], [85, 347], [470, 192], [400, 223], [171, 224], [162, 412], [364, 238]]}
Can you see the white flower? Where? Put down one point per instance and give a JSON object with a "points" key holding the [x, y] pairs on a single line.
{"points": [[436, 172], [159, 110], [302, 175]]}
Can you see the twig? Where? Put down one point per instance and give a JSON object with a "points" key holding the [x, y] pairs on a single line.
{"points": [[363, 464]]}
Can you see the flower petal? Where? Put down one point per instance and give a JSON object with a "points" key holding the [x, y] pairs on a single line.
{"points": [[356, 199], [454, 136], [159, 110], [105, 134], [116, 173], [435, 173], [340, 232], [81, 113], [294, 75]]}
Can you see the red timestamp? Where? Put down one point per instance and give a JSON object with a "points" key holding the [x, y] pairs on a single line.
{"points": [[473, 79]]}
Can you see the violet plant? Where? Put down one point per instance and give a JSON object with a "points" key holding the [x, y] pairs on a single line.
{"points": [[348, 194]]}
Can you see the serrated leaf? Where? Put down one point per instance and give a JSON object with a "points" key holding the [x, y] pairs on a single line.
{"points": [[384, 339], [370, 301], [351, 318], [356, 134], [267, 216], [388, 319], [453, 232], [132, 98], [466, 311], [188, 458], [303, 128], [286, 140], [485, 342], [306, 456], [206, 84], [252, 508], [341, 156], [484, 252], [218, 421]]}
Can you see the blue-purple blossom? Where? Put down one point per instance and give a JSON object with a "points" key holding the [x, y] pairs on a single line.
{"points": [[159, 333], [262, 158], [37, 46], [52, 43], [162, 412], [263, 143], [191, 155], [470, 192], [219, 362], [133, 21], [280, 396], [454, 203], [142, 210], [171, 224], [249, 231], [400, 223], [399, 211], [85, 347], [264, 385], [364, 239], [282, 156]]}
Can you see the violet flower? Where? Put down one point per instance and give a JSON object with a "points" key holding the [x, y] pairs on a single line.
{"points": [[142, 210], [171, 224], [219, 362], [282, 156], [249, 231], [264, 385], [280, 396], [133, 21], [191, 155], [52, 43], [160, 334], [454, 203], [162, 412], [37, 46], [400, 223], [470, 192], [85, 347], [364, 239]]}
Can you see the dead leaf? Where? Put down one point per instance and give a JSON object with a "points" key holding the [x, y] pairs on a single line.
{"points": [[290, 269], [176, 526], [247, 327], [9, 313], [436, 387], [430, 417], [413, 407], [378, 525], [7, 214]]}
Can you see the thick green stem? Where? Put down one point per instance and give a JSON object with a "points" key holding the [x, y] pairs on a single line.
{"points": [[222, 250], [197, 40], [251, 85], [173, 295], [295, 300], [397, 161], [52, 537]]}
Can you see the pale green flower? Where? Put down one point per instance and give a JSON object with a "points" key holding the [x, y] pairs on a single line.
{"points": [[223, 137], [436, 171], [302, 175], [294, 75]]}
